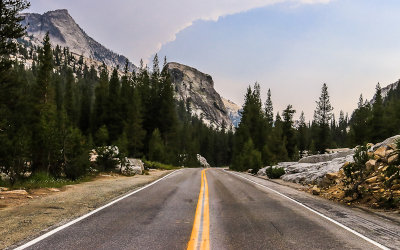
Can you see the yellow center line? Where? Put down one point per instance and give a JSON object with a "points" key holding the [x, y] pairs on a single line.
{"points": [[205, 242], [201, 224]]}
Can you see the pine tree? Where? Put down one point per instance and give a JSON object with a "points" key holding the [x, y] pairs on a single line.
{"points": [[377, 123], [302, 134], [44, 136], [15, 133], [133, 128], [113, 120], [10, 30], [269, 110], [322, 117], [359, 123], [167, 117], [251, 157], [253, 125], [86, 102], [101, 103], [288, 130], [75, 154], [69, 102], [156, 147], [342, 130], [43, 91], [102, 136]]}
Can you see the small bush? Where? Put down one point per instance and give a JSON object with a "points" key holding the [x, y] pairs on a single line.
{"points": [[356, 172], [108, 157], [77, 167], [274, 173], [42, 180], [45, 180]]}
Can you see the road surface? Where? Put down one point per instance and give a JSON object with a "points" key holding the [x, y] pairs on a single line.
{"points": [[209, 209]]}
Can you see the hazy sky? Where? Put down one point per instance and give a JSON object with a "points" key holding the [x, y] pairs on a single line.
{"points": [[290, 46]]}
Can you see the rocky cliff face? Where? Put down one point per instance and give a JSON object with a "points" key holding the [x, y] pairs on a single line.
{"points": [[197, 89], [385, 90], [64, 31], [191, 85], [234, 111]]}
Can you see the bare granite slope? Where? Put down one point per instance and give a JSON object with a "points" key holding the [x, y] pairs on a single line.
{"points": [[65, 32]]}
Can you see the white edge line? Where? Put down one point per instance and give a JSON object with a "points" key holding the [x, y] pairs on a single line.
{"points": [[44, 236], [316, 212]]}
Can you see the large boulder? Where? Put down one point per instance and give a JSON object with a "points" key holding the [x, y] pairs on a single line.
{"points": [[389, 142], [203, 161], [263, 171], [130, 166], [327, 157], [313, 173]]}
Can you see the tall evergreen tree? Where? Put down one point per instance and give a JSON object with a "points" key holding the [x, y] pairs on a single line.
{"points": [[377, 127], [101, 103], [322, 117], [44, 124], [269, 110], [14, 94], [10, 30], [133, 128], [288, 131], [156, 147], [113, 113], [252, 126], [359, 123], [302, 134]]}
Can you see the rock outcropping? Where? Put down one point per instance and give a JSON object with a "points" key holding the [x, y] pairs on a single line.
{"points": [[203, 161], [65, 32], [234, 111], [312, 169], [375, 183], [191, 85], [197, 89]]}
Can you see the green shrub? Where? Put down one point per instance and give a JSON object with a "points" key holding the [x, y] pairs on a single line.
{"points": [[42, 180], [45, 180], [356, 171], [274, 173], [108, 157], [158, 165], [77, 167]]}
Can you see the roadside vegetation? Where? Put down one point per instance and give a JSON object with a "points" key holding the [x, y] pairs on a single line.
{"points": [[276, 137], [56, 111], [44, 180], [372, 179], [158, 165], [274, 172]]}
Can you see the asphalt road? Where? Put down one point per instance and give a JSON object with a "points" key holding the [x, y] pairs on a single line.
{"points": [[202, 209]]}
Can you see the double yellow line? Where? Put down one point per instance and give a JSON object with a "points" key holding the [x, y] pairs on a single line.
{"points": [[200, 237]]}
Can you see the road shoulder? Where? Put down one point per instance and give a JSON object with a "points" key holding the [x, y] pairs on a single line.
{"points": [[378, 228], [44, 213]]}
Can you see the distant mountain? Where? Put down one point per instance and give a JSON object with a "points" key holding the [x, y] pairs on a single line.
{"points": [[191, 85], [64, 31], [197, 88], [386, 90], [234, 111]]}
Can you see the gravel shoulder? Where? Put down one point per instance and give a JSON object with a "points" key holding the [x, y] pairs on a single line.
{"points": [[24, 218]]}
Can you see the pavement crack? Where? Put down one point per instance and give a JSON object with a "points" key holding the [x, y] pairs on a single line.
{"points": [[276, 228]]}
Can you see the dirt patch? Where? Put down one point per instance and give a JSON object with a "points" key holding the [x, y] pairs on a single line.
{"points": [[25, 216]]}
